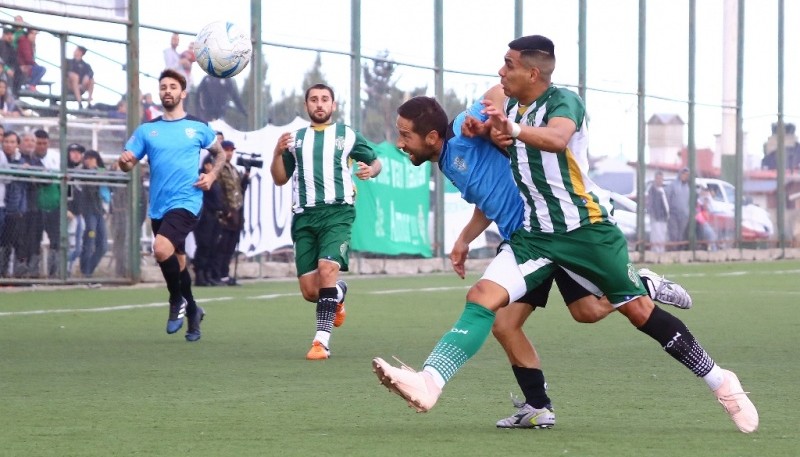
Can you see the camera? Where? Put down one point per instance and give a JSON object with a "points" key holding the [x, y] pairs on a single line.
{"points": [[249, 160]]}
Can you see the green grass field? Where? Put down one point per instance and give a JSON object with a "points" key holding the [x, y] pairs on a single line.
{"points": [[91, 372]]}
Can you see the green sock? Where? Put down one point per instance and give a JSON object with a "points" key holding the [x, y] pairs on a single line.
{"points": [[462, 341]]}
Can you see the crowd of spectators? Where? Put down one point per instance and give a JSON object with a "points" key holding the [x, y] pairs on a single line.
{"points": [[30, 209]]}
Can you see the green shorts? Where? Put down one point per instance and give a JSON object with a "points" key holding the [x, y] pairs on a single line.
{"points": [[597, 252], [322, 233]]}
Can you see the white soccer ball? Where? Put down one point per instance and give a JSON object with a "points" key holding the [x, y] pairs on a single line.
{"points": [[222, 49]]}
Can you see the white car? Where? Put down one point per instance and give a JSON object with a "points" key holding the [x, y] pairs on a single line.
{"points": [[756, 222]]}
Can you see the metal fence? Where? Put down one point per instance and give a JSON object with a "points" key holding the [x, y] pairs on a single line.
{"points": [[639, 76]]}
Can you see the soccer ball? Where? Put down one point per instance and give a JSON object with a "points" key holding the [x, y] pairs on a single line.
{"points": [[222, 50]]}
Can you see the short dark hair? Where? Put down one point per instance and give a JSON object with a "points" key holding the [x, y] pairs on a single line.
{"points": [[10, 133], [170, 73], [426, 115], [83, 50], [41, 133], [320, 86], [533, 43]]}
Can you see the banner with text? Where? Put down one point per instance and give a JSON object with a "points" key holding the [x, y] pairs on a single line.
{"points": [[392, 209]]}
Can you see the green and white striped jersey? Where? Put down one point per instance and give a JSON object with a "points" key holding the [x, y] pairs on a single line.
{"points": [[557, 192], [320, 165]]}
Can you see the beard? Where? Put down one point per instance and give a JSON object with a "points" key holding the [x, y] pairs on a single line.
{"points": [[170, 104], [320, 118]]}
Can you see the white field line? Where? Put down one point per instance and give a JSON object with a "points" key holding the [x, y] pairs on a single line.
{"points": [[199, 301]]}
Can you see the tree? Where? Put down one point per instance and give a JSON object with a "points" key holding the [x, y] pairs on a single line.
{"points": [[383, 98], [292, 104]]}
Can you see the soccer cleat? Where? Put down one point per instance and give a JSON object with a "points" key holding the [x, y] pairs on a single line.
{"points": [[341, 313], [176, 314], [735, 402], [193, 328], [665, 291], [416, 388], [318, 351], [529, 417]]}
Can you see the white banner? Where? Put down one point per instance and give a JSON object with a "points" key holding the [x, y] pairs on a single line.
{"points": [[267, 207]]}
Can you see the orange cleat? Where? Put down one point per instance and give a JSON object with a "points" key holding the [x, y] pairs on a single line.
{"points": [[318, 351]]}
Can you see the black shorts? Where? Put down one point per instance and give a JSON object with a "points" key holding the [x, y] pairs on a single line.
{"points": [[569, 288], [175, 226]]}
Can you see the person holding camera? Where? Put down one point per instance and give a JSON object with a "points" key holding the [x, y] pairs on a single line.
{"points": [[233, 184]]}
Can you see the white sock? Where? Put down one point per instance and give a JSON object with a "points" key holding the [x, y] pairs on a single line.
{"points": [[324, 338], [714, 378], [339, 293], [437, 378]]}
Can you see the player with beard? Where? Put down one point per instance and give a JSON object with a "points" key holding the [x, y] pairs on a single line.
{"points": [[172, 144], [318, 157]]}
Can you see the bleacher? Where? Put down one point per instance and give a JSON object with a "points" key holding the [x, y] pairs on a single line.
{"points": [[47, 104]]}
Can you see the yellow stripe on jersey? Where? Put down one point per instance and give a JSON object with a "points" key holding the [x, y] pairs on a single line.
{"points": [[595, 214]]}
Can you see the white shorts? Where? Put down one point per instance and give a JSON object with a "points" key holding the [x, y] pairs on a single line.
{"points": [[505, 271]]}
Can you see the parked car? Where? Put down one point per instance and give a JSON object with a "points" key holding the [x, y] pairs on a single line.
{"points": [[756, 222]]}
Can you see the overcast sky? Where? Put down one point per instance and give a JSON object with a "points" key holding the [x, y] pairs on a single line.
{"points": [[476, 34]]}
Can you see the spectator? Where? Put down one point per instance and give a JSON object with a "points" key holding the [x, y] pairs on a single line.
{"points": [[213, 96], [80, 77], [678, 203], [207, 232], [150, 110], [171, 56], [658, 209], [27, 145], [16, 200], [120, 111], [19, 30], [3, 181], [31, 220], [91, 203], [233, 184], [76, 224], [26, 59], [704, 219], [8, 106], [8, 56], [187, 58], [48, 199]]}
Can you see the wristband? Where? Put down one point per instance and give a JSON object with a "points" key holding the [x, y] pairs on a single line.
{"points": [[515, 128]]}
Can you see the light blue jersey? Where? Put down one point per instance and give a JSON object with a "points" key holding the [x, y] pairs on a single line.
{"points": [[483, 175], [172, 148]]}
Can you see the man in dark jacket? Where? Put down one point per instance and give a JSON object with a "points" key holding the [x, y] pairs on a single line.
{"points": [[207, 232]]}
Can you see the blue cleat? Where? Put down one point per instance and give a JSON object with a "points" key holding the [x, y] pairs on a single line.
{"points": [[193, 329], [176, 314]]}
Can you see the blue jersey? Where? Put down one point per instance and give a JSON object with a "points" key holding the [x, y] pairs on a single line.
{"points": [[483, 175], [172, 148]]}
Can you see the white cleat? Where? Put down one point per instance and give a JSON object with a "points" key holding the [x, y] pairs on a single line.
{"points": [[736, 403], [665, 291], [416, 388]]}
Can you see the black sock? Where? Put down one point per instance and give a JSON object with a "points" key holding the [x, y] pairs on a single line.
{"points": [[678, 341], [326, 309], [171, 269], [531, 382], [186, 292]]}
